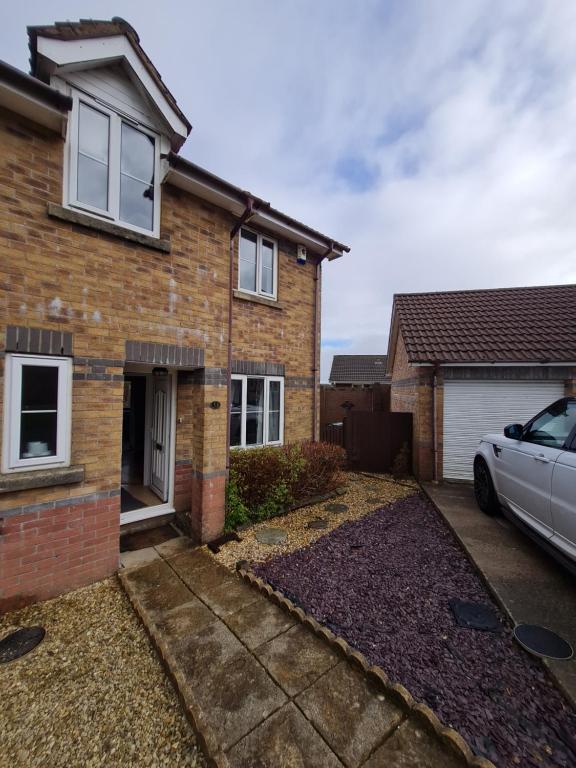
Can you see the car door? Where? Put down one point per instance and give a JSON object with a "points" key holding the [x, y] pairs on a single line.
{"points": [[563, 504], [525, 467]]}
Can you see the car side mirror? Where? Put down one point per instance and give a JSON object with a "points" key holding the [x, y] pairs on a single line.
{"points": [[514, 431]]}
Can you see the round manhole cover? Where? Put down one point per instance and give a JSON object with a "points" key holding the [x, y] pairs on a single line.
{"points": [[317, 524], [271, 536], [336, 507], [20, 642], [542, 642]]}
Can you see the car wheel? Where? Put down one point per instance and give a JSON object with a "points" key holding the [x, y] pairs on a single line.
{"points": [[484, 489]]}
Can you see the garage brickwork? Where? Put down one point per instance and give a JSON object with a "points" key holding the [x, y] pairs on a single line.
{"points": [[420, 390], [105, 291], [412, 392]]}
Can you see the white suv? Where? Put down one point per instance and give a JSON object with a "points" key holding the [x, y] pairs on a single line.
{"points": [[530, 470]]}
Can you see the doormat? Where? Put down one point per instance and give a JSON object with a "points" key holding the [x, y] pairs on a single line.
{"points": [[475, 616], [129, 503], [20, 642], [542, 642], [131, 542]]}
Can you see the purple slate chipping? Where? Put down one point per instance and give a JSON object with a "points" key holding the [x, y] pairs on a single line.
{"points": [[390, 598]]}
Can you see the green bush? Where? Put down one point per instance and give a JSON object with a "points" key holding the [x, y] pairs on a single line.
{"points": [[265, 481]]}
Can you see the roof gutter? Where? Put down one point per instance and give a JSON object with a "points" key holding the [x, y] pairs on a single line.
{"points": [[33, 99], [200, 182]]}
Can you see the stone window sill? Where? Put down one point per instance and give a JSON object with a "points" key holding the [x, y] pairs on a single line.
{"points": [[91, 222], [40, 478], [257, 299]]}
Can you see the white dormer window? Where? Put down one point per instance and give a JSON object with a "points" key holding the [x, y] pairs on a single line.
{"points": [[113, 167]]}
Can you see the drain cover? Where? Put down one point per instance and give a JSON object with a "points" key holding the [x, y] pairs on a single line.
{"points": [[475, 616], [317, 524], [336, 507], [542, 642], [20, 642]]}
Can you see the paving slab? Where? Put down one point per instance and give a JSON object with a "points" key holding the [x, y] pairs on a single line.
{"points": [[259, 622], [138, 557], [212, 583], [353, 716], [174, 546], [296, 659], [261, 691], [186, 620], [158, 588], [410, 746], [532, 587], [284, 740]]}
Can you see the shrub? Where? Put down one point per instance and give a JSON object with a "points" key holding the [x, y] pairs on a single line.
{"points": [[265, 481]]}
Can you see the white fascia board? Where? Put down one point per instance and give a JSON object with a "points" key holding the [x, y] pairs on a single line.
{"points": [[205, 191], [95, 51], [276, 225], [23, 104]]}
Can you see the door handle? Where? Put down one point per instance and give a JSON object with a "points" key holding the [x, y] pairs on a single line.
{"points": [[542, 459], [158, 446]]}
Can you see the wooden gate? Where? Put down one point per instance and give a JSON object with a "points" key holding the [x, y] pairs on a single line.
{"points": [[373, 439]]}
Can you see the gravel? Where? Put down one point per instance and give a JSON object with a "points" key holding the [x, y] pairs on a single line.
{"points": [[384, 583], [359, 489], [93, 693]]}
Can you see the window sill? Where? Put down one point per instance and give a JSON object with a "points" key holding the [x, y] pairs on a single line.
{"points": [[40, 478], [116, 230], [257, 299]]}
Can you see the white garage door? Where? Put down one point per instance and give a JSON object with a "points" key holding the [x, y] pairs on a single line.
{"points": [[473, 408]]}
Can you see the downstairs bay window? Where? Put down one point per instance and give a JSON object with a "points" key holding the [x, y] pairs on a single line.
{"points": [[257, 411], [37, 412]]}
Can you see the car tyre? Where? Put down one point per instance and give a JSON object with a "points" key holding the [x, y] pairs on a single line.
{"points": [[484, 490]]}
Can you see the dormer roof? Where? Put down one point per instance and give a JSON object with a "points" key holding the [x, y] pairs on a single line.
{"points": [[85, 44]]}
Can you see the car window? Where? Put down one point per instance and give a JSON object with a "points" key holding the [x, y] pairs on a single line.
{"points": [[553, 426]]}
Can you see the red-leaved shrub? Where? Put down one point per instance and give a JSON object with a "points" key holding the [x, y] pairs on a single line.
{"points": [[264, 481]]}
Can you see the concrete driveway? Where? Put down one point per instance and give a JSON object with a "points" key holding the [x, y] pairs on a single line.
{"points": [[529, 584]]}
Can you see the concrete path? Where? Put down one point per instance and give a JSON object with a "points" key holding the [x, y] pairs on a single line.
{"points": [[262, 690], [530, 585]]}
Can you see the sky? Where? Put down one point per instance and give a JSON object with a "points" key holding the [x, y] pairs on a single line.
{"points": [[437, 138]]}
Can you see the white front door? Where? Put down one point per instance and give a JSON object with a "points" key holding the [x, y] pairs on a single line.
{"points": [[160, 436]]}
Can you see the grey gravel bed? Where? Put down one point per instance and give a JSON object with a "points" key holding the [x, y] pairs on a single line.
{"points": [[93, 693], [384, 584]]}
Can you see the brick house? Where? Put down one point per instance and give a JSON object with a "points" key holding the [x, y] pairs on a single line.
{"points": [[465, 363], [141, 295]]}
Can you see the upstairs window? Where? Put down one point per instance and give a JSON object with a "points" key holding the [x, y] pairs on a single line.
{"points": [[113, 167], [37, 411], [257, 268]]}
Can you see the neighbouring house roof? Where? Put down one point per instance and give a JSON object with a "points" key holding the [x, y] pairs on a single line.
{"points": [[358, 369], [501, 325], [86, 29]]}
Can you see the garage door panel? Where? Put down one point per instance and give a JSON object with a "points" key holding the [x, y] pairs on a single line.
{"points": [[473, 408]]}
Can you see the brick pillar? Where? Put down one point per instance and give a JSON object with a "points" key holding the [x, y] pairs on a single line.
{"points": [[201, 434]]}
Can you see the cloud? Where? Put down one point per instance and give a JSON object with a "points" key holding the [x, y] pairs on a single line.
{"points": [[435, 138]]}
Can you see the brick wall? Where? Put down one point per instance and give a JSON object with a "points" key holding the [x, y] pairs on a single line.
{"points": [[105, 290], [412, 392]]}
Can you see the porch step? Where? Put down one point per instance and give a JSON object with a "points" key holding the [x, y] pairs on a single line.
{"points": [[258, 686]]}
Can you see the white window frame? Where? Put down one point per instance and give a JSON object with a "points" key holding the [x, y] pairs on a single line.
{"points": [[259, 292], [267, 379], [112, 214], [11, 461]]}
